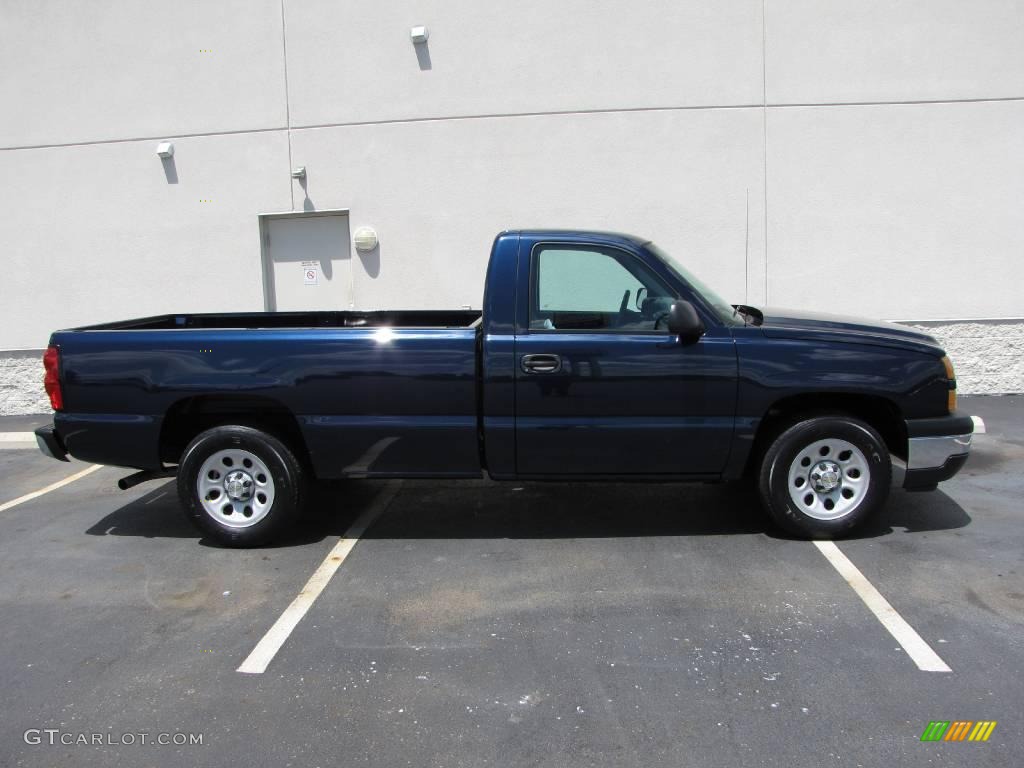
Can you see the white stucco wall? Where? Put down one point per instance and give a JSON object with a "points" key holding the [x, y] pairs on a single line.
{"points": [[21, 383], [353, 62], [837, 51], [439, 191], [988, 356], [124, 69], [862, 158], [96, 232], [898, 210]]}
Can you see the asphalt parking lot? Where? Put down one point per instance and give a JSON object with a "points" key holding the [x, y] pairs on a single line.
{"points": [[482, 624]]}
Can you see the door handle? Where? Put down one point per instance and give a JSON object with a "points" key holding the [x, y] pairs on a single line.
{"points": [[542, 363]]}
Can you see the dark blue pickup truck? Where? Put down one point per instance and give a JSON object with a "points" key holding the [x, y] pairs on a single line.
{"points": [[596, 356]]}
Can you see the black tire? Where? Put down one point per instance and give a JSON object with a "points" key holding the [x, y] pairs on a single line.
{"points": [[802, 516], [286, 478]]}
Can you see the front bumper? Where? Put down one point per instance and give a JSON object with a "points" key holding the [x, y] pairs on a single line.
{"points": [[50, 444], [936, 450]]}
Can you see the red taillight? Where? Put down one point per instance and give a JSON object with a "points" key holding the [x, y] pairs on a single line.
{"points": [[51, 362]]}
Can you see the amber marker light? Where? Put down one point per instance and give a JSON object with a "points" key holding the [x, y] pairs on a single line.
{"points": [[951, 375]]}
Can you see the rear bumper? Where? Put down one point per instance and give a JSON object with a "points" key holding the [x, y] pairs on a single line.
{"points": [[936, 450], [50, 444]]}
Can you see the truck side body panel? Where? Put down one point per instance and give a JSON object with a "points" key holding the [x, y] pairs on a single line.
{"points": [[369, 402], [772, 370]]}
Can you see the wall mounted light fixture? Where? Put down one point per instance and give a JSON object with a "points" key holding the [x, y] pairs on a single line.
{"points": [[419, 34], [365, 239], [165, 149], [299, 173]]}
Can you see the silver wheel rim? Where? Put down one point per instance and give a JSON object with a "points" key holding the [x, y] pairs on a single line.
{"points": [[829, 479], [235, 488]]}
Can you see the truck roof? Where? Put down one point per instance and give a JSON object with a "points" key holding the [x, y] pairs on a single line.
{"points": [[583, 234]]}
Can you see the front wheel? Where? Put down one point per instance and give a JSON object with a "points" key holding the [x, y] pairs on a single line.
{"points": [[825, 475], [239, 485]]}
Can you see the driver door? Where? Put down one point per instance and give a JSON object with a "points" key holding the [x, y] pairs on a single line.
{"points": [[601, 386]]}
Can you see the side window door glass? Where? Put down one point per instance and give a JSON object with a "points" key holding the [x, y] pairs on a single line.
{"points": [[578, 288]]}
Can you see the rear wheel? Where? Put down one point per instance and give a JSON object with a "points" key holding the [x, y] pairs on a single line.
{"points": [[825, 475], [239, 485]]}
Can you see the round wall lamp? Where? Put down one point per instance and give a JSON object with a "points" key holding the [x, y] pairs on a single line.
{"points": [[365, 239]]}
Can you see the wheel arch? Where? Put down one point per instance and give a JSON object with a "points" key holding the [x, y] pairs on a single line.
{"points": [[881, 413], [190, 416]]}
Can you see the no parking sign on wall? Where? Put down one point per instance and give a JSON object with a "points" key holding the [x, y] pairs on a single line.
{"points": [[310, 273]]}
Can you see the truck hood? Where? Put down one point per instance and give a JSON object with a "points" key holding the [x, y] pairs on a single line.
{"points": [[796, 324]]}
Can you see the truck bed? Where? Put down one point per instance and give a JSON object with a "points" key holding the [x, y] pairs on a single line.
{"points": [[455, 318], [373, 394]]}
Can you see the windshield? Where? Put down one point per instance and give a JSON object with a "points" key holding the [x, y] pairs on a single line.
{"points": [[725, 311]]}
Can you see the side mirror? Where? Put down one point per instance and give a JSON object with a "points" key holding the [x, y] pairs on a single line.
{"points": [[684, 322]]}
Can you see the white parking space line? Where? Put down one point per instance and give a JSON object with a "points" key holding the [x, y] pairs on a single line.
{"points": [[50, 487], [979, 425], [17, 441], [265, 650], [918, 650]]}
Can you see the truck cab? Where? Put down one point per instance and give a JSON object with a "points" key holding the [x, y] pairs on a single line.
{"points": [[602, 387]]}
